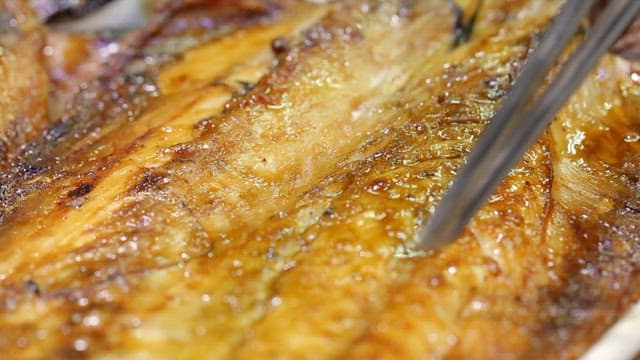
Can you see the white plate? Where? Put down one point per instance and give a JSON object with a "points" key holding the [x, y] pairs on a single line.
{"points": [[621, 341]]}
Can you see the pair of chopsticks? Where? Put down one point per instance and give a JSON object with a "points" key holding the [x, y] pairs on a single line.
{"points": [[519, 121]]}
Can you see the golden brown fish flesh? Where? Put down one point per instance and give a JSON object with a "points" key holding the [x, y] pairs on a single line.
{"points": [[245, 180]]}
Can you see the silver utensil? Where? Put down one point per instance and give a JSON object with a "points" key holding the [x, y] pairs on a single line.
{"points": [[518, 122]]}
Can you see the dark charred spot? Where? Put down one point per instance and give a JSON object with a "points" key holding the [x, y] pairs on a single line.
{"points": [[280, 46], [329, 212], [32, 287], [149, 181], [81, 190], [463, 28]]}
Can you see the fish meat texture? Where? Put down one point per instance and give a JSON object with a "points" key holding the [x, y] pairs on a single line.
{"points": [[246, 179]]}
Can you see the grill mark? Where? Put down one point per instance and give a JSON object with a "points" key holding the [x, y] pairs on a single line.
{"points": [[103, 168], [77, 197]]}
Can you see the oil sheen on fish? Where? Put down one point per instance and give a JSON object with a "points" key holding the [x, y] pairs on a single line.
{"points": [[245, 180]]}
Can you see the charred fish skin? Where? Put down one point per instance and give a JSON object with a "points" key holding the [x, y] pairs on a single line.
{"points": [[213, 219], [116, 91]]}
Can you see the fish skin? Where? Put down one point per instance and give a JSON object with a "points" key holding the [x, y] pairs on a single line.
{"points": [[25, 84]]}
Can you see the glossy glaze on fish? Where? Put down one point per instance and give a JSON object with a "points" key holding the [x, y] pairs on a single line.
{"points": [[246, 179]]}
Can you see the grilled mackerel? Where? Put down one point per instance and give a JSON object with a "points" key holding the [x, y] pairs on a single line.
{"points": [[245, 180]]}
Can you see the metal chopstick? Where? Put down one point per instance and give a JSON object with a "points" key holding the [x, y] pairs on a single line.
{"points": [[515, 127]]}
